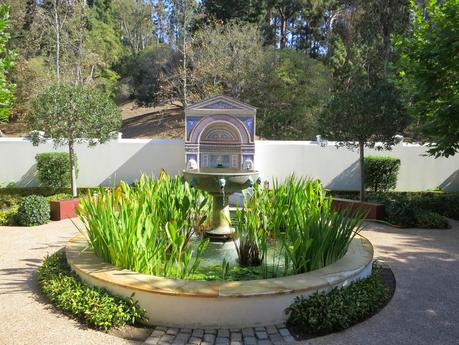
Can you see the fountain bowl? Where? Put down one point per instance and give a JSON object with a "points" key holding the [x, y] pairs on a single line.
{"points": [[209, 179], [220, 183]]}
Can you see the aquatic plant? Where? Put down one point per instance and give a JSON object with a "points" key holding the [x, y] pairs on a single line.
{"points": [[299, 215], [147, 227], [251, 231]]}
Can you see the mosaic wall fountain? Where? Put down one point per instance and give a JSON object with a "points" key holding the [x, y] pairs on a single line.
{"points": [[220, 153]]}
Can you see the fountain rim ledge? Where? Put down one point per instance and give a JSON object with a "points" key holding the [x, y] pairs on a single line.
{"points": [[92, 269]]}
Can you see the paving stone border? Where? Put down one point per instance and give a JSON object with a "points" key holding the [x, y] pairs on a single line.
{"points": [[270, 335]]}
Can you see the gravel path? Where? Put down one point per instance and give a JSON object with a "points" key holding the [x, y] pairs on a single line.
{"points": [[25, 318], [424, 310]]}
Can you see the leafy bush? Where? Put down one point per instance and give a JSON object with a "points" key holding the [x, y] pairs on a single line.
{"points": [[381, 173], [431, 220], [8, 217], [9, 200], [401, 213], [94, 306], [340, 308], [34, 210], [54, 169], [445, 204]]}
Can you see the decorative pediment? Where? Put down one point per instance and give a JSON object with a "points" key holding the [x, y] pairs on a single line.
{"points": [[221, 102]]}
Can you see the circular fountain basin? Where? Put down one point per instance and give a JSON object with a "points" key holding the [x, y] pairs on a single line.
{"points": [[212, 304]]}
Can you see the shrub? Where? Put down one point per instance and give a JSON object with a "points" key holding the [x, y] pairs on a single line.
{"points": [[431, 220], [33, 210], [445, 204], [8, 217], [340, 308], [53, 169], [381, 173], [9, 200], [401, 213], [94, 306]]}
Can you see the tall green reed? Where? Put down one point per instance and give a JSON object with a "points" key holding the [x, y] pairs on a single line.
{"points": [[251, 230], [147, 227], [311, 233], [298, 214]]}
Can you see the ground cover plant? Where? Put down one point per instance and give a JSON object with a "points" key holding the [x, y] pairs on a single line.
{"points": [[150, 227], [94, 306], [340, 308]]}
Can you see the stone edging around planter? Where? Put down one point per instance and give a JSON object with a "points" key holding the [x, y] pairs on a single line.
{"points": [[204, 304]]}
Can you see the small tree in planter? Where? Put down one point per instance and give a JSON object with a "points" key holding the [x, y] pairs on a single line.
{"points": [[363, 115], [71, 114]]}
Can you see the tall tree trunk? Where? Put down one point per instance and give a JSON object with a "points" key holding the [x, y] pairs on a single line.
{"points": [[79, 55], [283, 31], [184, 28], [362, 173], [184, 71], [58, 42], [72, 167]]}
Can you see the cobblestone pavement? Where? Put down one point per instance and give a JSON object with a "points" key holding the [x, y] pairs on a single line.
{"points": [[270, 335]]}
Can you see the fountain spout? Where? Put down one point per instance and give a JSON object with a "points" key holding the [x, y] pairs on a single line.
{"points": [[222, 183]]}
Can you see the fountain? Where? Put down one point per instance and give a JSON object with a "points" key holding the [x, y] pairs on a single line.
{"points": [[219, 153], [219, 145]]}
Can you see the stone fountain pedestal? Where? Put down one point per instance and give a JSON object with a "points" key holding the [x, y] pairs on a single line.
{"points": [[222, 229]]}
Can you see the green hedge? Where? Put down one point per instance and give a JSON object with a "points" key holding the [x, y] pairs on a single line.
{"points": [[341, 308], [93, 306], [45, 191], [412, 203], [33, 210], [54, 169], [381, 173]]}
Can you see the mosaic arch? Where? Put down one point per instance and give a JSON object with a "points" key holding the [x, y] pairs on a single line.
{"points": [[220, 133]]}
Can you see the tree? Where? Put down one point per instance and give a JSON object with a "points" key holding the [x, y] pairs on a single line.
{"points": [[6, 62], [361, 116], [153, 72], [292, 97], [71, 114], [135, 24], [429, 73], [229, 59]]}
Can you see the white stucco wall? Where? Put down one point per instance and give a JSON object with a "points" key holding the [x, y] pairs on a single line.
{"points": [[127, 158]]}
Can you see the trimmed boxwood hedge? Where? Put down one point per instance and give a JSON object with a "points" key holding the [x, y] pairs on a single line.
{"points": [[413, 209], [381, 173], [340, 308], [54, 169], [93, 306]]}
